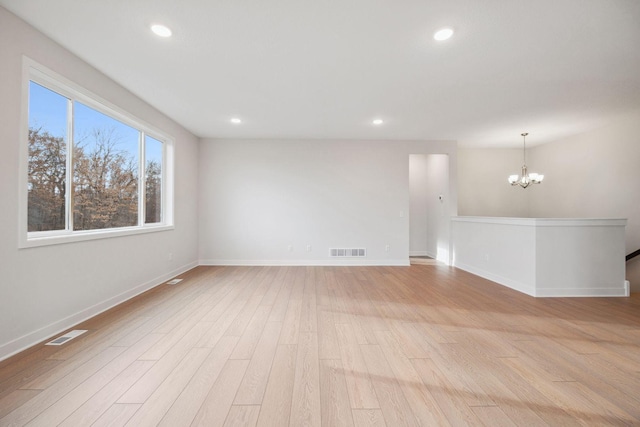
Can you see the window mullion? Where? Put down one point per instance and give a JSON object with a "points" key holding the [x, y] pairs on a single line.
{"points": [[163, 184], [142, 181], [69, 167]]}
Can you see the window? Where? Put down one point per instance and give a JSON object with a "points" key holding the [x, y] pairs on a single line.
{"points": [[91, 170], [153, 183]]}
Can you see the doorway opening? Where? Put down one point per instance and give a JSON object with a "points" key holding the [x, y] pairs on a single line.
{"points": [[429, 213]]}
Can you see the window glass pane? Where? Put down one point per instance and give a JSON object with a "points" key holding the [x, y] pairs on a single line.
{"points": [[47, 159], [153, 183], [105, 171]]}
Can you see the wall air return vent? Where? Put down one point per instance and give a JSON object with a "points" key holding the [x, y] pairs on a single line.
{"points": [[347, 253]]}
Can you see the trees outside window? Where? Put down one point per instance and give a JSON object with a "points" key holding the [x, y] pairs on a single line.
{"points": [[47, 181], [105, 171], [153, 182], [88, 170]]}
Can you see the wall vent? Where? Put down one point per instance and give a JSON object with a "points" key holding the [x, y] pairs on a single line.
{"points": [[347, 253], [67, 337], [174, 281]]}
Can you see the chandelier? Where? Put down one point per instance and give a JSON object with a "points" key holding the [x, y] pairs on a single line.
{"points": [[526, 178]]}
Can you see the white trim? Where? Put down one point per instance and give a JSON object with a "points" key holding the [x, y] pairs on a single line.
{"points": [[168, 181], [69, 169], [142, 180], [418, 253], [622, 291], [33, 71], [627, 288], [23, 150], [32, 338], [68, 88], [55, 238], [500, 280], [352, 262], [544, 222]]}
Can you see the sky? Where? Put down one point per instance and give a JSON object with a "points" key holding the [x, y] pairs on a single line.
{"points": [[48, 109]]}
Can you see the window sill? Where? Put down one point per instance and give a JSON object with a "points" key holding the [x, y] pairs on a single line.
{"points": [[81, 236]]}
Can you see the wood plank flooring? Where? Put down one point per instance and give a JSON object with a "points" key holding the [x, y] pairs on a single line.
{"points": [[426, 345]]}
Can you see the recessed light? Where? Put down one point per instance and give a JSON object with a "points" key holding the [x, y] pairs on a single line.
{"points": [[377, 122], [236, 120], [161, 30], [443, 34]]}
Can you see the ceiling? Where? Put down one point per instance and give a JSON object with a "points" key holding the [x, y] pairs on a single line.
{"points": [[326, 68]]}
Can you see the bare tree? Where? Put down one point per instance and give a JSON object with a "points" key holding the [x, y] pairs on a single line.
{"points": [[153, 192], [105, 180], [47, 181]]}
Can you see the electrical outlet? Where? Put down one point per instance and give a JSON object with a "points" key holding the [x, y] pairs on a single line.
{"points": [[290, 248], [170, 257], [308, 248], [387, 248]]}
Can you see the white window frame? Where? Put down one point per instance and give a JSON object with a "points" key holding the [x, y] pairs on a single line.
{"points": [[33, 71]]}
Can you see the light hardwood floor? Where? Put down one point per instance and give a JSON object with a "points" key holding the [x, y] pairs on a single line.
{"points": [[336, 346]]}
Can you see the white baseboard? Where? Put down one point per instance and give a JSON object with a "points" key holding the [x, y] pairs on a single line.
{"points": [[622, 291], [509, 283], [418, 253], [32, 338], [353, 262]]}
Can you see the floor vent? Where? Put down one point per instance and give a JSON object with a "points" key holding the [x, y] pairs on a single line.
{"points": [[67, 337], [341, 253], [174, 281]]}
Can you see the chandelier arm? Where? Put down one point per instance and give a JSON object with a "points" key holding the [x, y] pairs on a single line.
{"points": [[525, 179]]}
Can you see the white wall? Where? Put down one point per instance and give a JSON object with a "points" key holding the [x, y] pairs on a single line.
{"points": [[483, 189], [503, 251], [438, 219], [419, 204], [257, 198], [591, 175], [429, 205], [544, 257], [594, 174], [47, 289]]}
